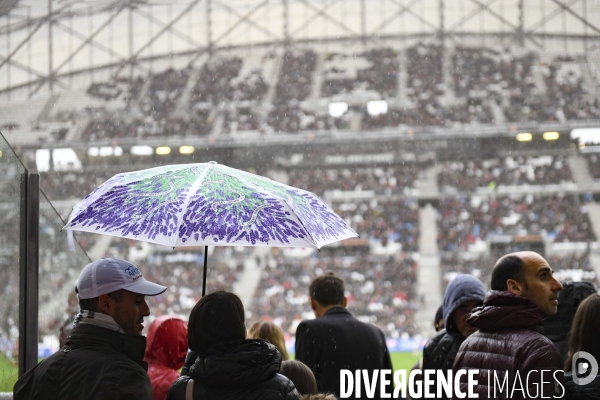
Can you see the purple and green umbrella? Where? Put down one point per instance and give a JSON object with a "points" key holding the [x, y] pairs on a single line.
{"points": [[207, 204]]}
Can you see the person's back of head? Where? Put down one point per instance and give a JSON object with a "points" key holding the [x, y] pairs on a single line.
{"points": [[271, 333], [557, 326], [585, 330], [327, 289], [218, 317], [167, 342], [302, 377], [507, 267]]}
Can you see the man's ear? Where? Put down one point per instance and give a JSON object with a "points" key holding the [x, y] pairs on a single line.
{"points": [[345, 301], [514, 287], [106, 304], [313, 304]]}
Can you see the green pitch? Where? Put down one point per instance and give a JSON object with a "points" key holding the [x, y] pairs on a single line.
{"points": [[405, 360], [9, 372]]}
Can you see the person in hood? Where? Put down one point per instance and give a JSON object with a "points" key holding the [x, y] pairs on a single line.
{"points": [[581, 381], [510, 340], [166, 348], [223, 364], [463, 293], [103, 355]]}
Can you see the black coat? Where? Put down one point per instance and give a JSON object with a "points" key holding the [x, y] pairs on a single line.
{"points": [[440, 352], [591, 391], [338, 341], [242, 370], [510, 340], [95, 363]]}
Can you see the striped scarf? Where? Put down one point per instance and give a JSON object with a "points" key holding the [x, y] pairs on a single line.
{"points": [[97, 319]]}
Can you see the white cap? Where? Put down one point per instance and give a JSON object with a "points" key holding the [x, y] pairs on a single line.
{"points": [[108, 275]]}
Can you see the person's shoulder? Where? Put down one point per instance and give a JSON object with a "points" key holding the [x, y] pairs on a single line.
{"points": [[178, 388]]}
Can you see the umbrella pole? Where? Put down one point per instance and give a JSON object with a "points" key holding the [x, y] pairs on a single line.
{"points": [[204, 278]]}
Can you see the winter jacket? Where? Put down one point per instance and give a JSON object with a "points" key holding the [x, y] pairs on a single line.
{"points": [[166, 348], [440, 351], [591, 391], [510, 338], [95, 364], [245, 369]]}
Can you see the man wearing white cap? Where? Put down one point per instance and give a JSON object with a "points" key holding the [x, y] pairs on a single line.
{"points": [[103, 355]]}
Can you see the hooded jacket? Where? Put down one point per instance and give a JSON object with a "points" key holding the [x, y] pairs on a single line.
{"points": [[166, 348], [95, 364], [440, 351], [510, 338], [245, 369]]}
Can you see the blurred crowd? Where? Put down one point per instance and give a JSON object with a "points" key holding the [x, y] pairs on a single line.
{"points": [[380, 289], [508, 171], [485, 85], [465, 220]]}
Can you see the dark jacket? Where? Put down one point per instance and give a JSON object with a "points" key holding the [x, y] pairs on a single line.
{"points": [[241, 370], [166, 348], [338, 341], [440, 351], [510, 338], [95, 363], [591, 391]]}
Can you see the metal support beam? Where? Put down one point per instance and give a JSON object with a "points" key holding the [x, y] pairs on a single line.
{"points": [[246, 18], [521, 23], [286, 22], [50, 51], [363, 22], [158, 35], [401, 10], [29, 271], [321, 12], [89, 39], [568, 9], [171, 29]]}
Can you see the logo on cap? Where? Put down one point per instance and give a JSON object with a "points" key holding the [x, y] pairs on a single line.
{"points": [[133, 272]]}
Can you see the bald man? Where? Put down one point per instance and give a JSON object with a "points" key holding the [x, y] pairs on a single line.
{"points": [[511, 340]]}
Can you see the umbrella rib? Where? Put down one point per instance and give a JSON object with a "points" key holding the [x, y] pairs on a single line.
{"points": [[192, 190], [242, 178]]}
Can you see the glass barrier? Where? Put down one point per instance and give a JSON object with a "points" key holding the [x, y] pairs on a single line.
{"points": [[58, 271], [11, 174]]}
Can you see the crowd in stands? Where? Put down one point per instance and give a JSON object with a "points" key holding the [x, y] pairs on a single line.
{"points": [[465, 220], [452, 263], [379, 180], [381, 289], [469, 175], [121, 87], [593, 162], [486, 85], [381, 76]]}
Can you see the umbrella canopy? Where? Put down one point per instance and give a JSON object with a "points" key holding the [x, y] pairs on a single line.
{"points": [[207, 204]]}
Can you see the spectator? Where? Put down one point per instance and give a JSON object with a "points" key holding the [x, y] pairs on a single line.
{"points": [[302, 377], [103, 355], [271, 333], [510, 339], [584, 337], [166, 349], [323, 343], [464, 293], [558, 326], [224, 364]]}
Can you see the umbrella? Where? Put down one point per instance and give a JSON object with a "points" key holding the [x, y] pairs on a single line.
{"points": [[207, 204]]}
